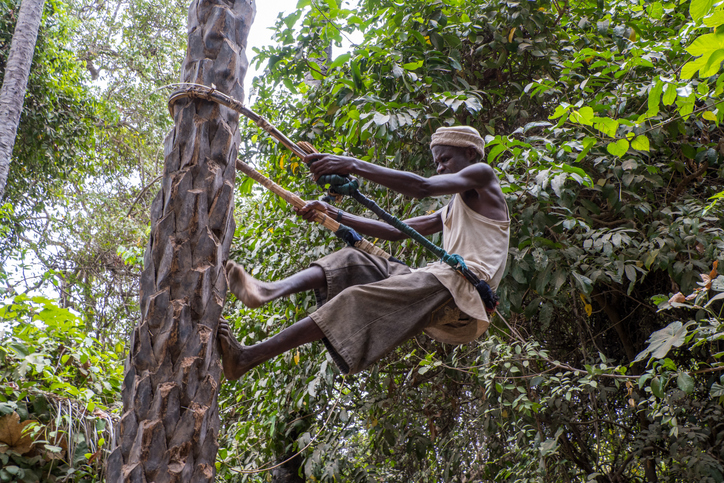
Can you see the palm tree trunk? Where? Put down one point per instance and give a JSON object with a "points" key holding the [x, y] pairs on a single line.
{"points": [[15, 81], [169, 427]]}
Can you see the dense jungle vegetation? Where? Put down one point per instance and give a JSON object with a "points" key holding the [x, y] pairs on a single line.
{"points": [[603, 120]]}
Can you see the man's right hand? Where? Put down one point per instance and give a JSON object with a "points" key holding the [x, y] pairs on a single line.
{"points": [[309, 211]]}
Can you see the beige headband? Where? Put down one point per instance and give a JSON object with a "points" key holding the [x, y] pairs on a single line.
{"points": [[459, 136]]}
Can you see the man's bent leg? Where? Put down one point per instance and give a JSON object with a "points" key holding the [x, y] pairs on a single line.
{"points": [[238, 359], [365, 322], [349, 267], [254, 293]]}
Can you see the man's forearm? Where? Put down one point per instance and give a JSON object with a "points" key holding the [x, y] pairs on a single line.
{"points": [[368, 227], [409, 184]]}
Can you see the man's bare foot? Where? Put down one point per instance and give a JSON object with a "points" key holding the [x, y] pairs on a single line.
{"points": [[234, 357], [249, 290]]}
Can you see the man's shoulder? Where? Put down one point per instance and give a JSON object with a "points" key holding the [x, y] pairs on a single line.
{"points": [[480, 167], [481, 174]]}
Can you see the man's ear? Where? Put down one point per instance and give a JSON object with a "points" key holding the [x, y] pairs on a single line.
{"points": [[471, 154]]}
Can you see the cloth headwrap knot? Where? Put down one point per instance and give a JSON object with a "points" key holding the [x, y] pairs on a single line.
{"points": [[459, 136]]}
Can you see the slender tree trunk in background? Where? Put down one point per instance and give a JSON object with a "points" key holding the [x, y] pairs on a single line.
{"points": [[170, 422], [15, 81]]}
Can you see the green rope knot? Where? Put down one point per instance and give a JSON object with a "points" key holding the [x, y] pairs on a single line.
{"points": [[339, 184], [455, 261]]}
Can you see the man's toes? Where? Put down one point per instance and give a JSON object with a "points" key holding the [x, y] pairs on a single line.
{"points": [[234, 274], [233, 271]]}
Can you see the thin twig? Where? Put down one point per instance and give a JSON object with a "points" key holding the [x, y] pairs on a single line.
{"points": [[143, 191], [329, 416], [314, 4]]}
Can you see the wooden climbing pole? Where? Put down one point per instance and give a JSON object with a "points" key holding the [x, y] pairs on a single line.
{"points": [[170, 422]]}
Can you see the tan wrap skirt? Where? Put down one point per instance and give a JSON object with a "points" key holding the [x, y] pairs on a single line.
{"points": [[371, 305]]}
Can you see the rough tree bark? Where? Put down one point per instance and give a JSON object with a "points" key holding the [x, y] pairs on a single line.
{"points": [[15, 81], [169, 427]]}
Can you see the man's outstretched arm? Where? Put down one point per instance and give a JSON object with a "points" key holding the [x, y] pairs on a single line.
{"points": [[476, 176], [426, 224]]}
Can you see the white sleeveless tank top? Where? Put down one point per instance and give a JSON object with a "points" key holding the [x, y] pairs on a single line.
{"points": [[483, 243]]}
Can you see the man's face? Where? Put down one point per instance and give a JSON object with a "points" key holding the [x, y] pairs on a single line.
{"points": [[451, 159]]}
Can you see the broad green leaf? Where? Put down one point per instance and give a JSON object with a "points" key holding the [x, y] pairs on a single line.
{"points": [[583, 116], [657, 387], [315, 70], [641, 143], [713, 65], [560, 110], [715, 19], [579, 174], [495, 152], [291, 19], [588, 143], [420, 38], [357, 76], [650, 258], [691, 68], [669, 95], [340, 60], [413, 65], [685, 382], [654, 98], [655, 10], [699, 8], [706, 44], [686, 105], [606, 125], [710, 116], [618, 148]]}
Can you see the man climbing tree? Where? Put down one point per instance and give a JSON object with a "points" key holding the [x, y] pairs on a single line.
{"points": [[367, 305]]}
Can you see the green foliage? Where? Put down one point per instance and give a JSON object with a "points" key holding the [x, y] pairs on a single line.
{"points": [[56, 374], [75, 221], [57, 131], [606, 135], [608, 158], [88, 155]]}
